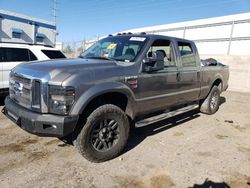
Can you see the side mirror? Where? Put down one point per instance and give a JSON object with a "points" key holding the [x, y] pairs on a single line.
{"points": [[154, 63]]}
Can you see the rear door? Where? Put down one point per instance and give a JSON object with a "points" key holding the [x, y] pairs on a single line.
{"points": [[189, 74], [13, 57]]}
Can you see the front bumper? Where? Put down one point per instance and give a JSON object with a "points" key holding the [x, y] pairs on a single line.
{"points": [[39, 124]]}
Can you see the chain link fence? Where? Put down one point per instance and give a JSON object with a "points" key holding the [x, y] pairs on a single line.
{"points": [[75, 48]]}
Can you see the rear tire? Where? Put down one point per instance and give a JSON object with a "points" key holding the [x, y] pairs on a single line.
{"points": [[211, 104], [104, 134]]}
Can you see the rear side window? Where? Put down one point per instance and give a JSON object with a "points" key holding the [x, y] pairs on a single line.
{"points": [[18, 54], [188, 58], [53, 54], [185, 48]]}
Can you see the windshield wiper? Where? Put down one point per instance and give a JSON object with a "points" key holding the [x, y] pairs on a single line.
{"points": [[99, 57]]}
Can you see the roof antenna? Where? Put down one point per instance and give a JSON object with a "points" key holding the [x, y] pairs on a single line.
{"points": [[54, 16]]}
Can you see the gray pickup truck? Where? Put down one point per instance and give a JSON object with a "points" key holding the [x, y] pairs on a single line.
{"points": [[121, 81]]}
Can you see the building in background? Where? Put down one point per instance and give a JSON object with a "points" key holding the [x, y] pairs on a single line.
{"points": [[224, 35], [18, 28], [225, 38]]}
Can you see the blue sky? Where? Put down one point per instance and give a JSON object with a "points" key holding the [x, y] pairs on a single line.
{"points": [[79, 19]]}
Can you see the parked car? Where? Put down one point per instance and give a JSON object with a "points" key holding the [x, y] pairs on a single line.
{"points": [[12, 54], [121, 79]]}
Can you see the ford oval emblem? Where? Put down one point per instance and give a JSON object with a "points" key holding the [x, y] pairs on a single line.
{"points": [[18, 87]]}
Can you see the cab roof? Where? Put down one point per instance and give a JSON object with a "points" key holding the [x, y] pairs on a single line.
{"points": [[150, 36]]}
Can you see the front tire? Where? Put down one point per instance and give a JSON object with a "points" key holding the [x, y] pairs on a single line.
{"points": [[104, 134], [211, 104]]}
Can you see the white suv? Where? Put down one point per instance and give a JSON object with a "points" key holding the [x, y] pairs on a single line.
{"points": [[12, 54]]}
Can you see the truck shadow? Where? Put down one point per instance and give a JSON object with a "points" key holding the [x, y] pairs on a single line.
{"points": [[210, 184], [139, 134], [2, 101], [222, 100]]}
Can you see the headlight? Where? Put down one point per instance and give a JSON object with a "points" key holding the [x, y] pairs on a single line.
{"points": [[61, 99]]}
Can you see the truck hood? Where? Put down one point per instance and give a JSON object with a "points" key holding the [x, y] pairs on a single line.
{"points": [[59, 70]]}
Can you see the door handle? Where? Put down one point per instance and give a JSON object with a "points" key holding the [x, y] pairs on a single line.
{"points": [[132, 81]]}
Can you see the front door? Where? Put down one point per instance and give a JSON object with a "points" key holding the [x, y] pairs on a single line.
{"points": [[157, 90]]}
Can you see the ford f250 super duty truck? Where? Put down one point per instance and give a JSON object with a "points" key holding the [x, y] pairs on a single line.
{"points": [[120, 81]]}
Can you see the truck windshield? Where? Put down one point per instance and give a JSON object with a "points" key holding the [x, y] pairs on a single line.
{"points": [[119, 48]]}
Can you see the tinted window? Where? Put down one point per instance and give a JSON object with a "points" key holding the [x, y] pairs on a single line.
{"points": [[53, 54], [1, 55], [39, 39], [16, 54], [188, 58], [185, 48], [165, 47], [32, 56], [16, 35]]}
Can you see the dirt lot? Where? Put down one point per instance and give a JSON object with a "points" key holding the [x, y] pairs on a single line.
{"points": [[191, 150]]}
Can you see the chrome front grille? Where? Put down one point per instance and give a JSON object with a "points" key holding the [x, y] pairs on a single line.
{"points": [[25, 91], [21, 79]]}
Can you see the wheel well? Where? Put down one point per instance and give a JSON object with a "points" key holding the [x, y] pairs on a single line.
{"points": [[217, 82], [114, 98]]}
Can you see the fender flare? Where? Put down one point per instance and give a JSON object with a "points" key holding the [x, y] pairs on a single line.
{"points": [[103, 88], [217, 77]]}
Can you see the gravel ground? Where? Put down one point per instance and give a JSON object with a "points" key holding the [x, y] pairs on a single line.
{"points": [[187, 151]]}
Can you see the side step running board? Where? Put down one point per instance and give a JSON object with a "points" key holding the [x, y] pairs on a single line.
{"points": [[165, 115]]}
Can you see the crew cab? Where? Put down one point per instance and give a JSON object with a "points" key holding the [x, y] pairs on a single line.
{"points": [[120, 81], [12, 54]]}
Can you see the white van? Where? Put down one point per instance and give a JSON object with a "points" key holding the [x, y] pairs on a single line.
{"points": [[12, 54]]}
